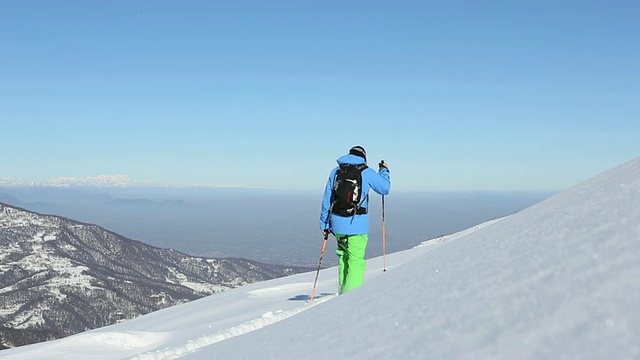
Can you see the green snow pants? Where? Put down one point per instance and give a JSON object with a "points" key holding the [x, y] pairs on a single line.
{"points": [[350, 252]]}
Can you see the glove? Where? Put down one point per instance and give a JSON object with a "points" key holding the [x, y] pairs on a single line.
{"points": [[382, 165], [325, 233]]}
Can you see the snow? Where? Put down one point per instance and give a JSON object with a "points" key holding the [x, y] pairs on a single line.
{"points": [[184, 281], [28, 320], [559, 280], [8, 310]]}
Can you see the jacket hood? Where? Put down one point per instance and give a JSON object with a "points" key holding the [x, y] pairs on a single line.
{"points": [[350, 159]]}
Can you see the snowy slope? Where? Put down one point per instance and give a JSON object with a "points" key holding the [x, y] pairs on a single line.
{"points": [[559, 280]]}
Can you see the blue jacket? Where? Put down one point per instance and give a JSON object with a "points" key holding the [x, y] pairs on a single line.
{"points": [[358, 224]]}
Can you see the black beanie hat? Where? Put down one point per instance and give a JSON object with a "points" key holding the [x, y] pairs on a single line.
{"points": [[358, 151]]}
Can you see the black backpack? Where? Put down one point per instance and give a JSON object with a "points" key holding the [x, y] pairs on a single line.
{"points": [[347, 191]]}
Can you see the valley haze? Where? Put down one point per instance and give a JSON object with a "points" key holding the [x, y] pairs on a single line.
{"points": [[267, 225]]}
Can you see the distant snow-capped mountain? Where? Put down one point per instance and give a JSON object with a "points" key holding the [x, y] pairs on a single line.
{"points": [[11, 182], [59, 277], [99, 181], [104, 181], [95, 181]]}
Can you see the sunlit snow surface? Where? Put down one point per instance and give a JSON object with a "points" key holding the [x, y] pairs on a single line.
{"points": [[559, 280]]}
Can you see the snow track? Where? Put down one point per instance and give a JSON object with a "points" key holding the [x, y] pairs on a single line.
{"points": [[266, 319]]}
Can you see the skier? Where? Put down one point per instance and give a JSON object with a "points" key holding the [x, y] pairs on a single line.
{"points": [[351, 226]]}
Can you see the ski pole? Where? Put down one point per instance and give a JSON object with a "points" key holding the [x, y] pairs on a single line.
{"points": [[315, 282], [384, 239]]}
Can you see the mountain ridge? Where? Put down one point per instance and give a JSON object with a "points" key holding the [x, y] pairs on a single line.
{"points": [[60, 276]]}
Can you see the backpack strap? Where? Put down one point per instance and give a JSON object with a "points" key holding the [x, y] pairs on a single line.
{"points": [[361, 168], [359, 209]]}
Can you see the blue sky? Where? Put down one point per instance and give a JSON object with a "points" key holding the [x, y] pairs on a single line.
{"points": [[454, 95]]}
